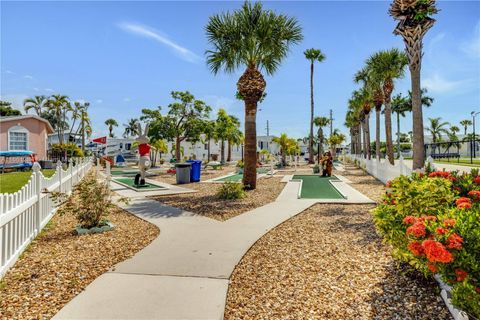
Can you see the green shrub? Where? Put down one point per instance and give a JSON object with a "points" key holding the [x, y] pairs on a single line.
{"points": [[240, 164], [90, 201], [433, 223], [71, 148], [231, 191]]}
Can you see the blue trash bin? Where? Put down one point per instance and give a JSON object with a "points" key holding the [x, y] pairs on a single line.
{"points": [[195, 172]]}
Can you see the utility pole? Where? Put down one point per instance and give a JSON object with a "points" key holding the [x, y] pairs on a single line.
{"points": [[268, 136], [331, 122], [83, 130]]}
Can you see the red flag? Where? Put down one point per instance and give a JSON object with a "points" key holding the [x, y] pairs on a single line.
{"points": [[102, 140]]}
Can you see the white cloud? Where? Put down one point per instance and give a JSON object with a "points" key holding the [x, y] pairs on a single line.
{"points": [[437, 83], [472, 46], [36, 89], [9, 72], [49, 90], [27, 76], [99, 101], [127, 99], [151, 33]]}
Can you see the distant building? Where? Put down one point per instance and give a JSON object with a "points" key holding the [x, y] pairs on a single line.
{"points": [[25, 132], [463, 148]]}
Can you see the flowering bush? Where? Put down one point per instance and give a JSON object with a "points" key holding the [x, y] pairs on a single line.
{"points": [[433, 223]]}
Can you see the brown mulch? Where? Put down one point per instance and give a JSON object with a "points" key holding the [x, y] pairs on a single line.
{"points": [[59, 264], [205, 202], [329, 263]]}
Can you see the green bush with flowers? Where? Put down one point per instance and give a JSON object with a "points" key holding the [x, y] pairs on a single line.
{"points": [[432, 222]]}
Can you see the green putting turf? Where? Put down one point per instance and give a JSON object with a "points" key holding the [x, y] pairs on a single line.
{"points": [[239, 176], [128, 182], [318, 187], [124, 172]]}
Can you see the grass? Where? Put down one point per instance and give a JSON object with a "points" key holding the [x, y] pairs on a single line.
{"points": [[13, 181], [239, 176], [461, 162], [318, 187], [129, 182]]}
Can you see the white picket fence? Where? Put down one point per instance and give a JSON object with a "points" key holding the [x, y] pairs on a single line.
{"points": [[382, 170], [24, 213]]}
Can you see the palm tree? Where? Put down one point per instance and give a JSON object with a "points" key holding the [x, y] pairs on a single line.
{"points": [[131, 128], [414, 20], [321, 122], [336, 139], [256, 39], [159, 146], [111, 123], [452, 135], [287, 146], [312, 55], [466, 123], [352, 123], [436, 128], [36, 103], [234, 136], [386, 66], [209, 130], [58, 104], [399, 106], [224, 125]]}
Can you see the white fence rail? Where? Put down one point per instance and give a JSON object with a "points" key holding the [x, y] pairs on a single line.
{"points": [[382, 169], [24, 213]]}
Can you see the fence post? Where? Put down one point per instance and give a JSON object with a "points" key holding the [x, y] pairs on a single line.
{"points": [[107, 170], [38, 189], [70, 172], [400, 163], [59, 170], [98, 164]]}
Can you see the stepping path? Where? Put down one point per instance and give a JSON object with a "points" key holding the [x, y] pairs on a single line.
{"points": [[184, 273]]}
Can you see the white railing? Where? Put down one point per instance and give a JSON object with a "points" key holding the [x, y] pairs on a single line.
{"points": [[382, 169], [24, 213]]}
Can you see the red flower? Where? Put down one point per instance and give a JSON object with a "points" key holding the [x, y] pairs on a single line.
{"points": [[436, 252], [461, 274], [449, 222], [442, 174], [463, 200], [454, 241], [477, 289], [432, 267], [416, 248], [474, 194], [409, 220], [417, 229], [477, 180], [431, 218], [389, 184], [440, 230], [464, 205]]}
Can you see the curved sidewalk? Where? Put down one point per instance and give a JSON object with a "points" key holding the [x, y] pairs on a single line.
{"points": [[184, 273]]}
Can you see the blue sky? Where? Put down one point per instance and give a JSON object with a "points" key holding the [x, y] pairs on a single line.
{"points": [[125, 56]]}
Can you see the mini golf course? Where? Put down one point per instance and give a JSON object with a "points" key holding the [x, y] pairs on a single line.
{"points": [[125, 173], [318, 187], [239, 176], [128, 182]]}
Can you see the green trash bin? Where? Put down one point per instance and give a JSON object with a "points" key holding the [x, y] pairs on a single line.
{"points": [[183, 172]]}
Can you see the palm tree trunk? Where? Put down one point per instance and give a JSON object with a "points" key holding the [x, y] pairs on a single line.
{"points": [[250, 149], [208, 150], [398, 134], [222, 151], [229, 152], [417, 118], [310, 143], [377, 133], [367, 136], [388, 130], [177, 150]]}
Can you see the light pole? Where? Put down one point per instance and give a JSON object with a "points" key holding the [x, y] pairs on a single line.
{"points": [[474, 114]]}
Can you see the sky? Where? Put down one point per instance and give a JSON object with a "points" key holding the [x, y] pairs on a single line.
{"points": [[123, 56]]}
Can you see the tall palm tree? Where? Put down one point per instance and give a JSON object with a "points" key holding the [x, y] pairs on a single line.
{"points": [[312, 55], [111, 123], [131, 128], [352, 123], [386, 66], [414, 20], [258, 40], [399, 106], [452, 135], [36, 103], [320, 122], [436, 129], [57, 103], [466, 123]]}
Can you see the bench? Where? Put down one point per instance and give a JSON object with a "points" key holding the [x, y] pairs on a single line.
{"points": [[445, 155]]}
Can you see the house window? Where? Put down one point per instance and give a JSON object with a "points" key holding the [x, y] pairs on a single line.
{"points": [[261, 145], [17, 138], [206, 146]]}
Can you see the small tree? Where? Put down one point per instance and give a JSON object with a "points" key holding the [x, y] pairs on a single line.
{"points": [[111, 123], [335, 139]]}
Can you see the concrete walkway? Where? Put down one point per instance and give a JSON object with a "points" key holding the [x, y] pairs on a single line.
{"points": [[184, 273]]}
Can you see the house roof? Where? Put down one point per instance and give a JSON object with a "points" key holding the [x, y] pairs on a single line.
{"points": [[28, 116]]}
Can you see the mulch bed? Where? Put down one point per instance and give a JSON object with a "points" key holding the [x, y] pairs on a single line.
{"points": [[329, 263], [58, 264], [205, 202]]}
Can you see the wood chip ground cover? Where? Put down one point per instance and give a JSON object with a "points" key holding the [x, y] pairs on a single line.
{"points": [[58, 265], [204, 201], [329, 263]]}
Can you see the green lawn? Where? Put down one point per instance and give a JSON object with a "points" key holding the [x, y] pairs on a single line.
{"points": [[318, 187], [14, 181], [461, 162]]}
